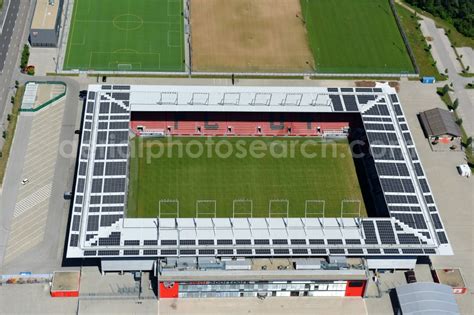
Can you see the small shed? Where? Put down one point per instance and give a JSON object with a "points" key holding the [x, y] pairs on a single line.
{"points": [[426, 298], [65, 284], [441, 129]]}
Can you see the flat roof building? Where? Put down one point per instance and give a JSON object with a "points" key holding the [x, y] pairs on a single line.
{"points": [[46, 23]]}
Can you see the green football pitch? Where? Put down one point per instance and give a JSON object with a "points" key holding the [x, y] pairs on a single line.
{"points": [[355, 36], [242, 177], [126, 35]]}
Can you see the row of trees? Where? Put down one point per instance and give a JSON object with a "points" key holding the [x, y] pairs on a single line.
{"points": [[460, 13]]}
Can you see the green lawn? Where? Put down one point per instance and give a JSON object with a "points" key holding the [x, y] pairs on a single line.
{"points": [[355, 36], [418, 44], [294, 178], [145, 35]]}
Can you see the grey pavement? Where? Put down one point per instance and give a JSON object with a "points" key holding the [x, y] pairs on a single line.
{"points": [[10, 70], [467, 58], [31, 209], [34, 299], [453, 194], [444, 54], [273, 306], [46, 255]]}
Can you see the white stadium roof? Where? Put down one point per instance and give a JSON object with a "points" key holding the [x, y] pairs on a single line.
{"points": [[99, 228]]}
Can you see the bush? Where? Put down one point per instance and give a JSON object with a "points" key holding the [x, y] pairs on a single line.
{"points": [[25, 56], [455, 104]]}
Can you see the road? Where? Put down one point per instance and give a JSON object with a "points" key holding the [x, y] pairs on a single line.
{"points": [[7, 31], [459, 82], [443, 54], [14, 33]]}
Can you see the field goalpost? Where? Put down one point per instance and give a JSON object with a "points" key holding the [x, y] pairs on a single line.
{"points": [[278, 213], [315, 208], [210, 212], [124, 67], [238, 212], [168, 213], [351, 212]]}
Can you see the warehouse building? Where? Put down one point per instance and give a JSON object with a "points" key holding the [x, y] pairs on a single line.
{"points": [[46, 23]]}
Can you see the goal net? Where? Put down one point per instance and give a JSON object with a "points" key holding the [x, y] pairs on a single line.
{"points": [[242, 208], [124, 67]]}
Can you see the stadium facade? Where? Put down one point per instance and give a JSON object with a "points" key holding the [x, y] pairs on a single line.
{"points": [[308, 254]]}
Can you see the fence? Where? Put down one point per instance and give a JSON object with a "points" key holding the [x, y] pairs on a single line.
{"points": [[54, 99], [256, 75], [405, 40], [25, 278]]}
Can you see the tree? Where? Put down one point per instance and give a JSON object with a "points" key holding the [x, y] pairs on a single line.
{"points": [[445, 89], [459, 121], [460, 13], [468, 142], [25, 56], [455, 104]]}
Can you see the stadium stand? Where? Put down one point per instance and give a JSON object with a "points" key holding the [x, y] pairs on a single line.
{"points": [[241, 124]]}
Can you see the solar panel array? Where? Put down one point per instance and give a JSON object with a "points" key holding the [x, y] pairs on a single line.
{"points": [[98, 229], [101, 179], [404, 184]]}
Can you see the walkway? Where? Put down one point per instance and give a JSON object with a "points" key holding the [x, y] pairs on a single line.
{"points": [[446, 59]]}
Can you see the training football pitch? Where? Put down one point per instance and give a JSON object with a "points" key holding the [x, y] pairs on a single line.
{"points": [[348, 36], [126, 35], [242, 177]]}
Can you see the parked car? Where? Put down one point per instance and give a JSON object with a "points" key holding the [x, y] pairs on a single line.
{"points": [[82, 94], [410, 276]]}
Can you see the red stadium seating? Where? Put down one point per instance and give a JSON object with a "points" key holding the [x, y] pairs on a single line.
{"points": [[240, 124]]}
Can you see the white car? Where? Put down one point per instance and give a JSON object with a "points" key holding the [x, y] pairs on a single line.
{"points": [[464, 170], [24, 181]]}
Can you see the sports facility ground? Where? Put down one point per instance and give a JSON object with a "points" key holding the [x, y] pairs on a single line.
{"points": [[248, 36], [348, 36], [242, 185], [127, 35]]}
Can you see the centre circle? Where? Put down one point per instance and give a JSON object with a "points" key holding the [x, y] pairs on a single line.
{"points": [[127, 22]]}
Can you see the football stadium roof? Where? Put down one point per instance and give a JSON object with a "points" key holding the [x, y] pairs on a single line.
{"points": [[99, 227], [426, 298]]}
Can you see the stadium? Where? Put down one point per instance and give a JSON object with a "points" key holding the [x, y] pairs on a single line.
{"points": [[160, 186]]}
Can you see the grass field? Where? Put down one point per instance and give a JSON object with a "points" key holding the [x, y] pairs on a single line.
{"points": [[145, 35], [190, 178], [348, 36], [249, 36]]}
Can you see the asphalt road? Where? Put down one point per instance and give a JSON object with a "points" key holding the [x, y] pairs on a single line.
{"points": [[445, 58], [16, 35], [7, 31]]}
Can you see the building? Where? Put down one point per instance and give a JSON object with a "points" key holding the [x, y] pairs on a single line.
{"points": [[406, 225], [46, 24], [441, 129], [426, 298]]}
